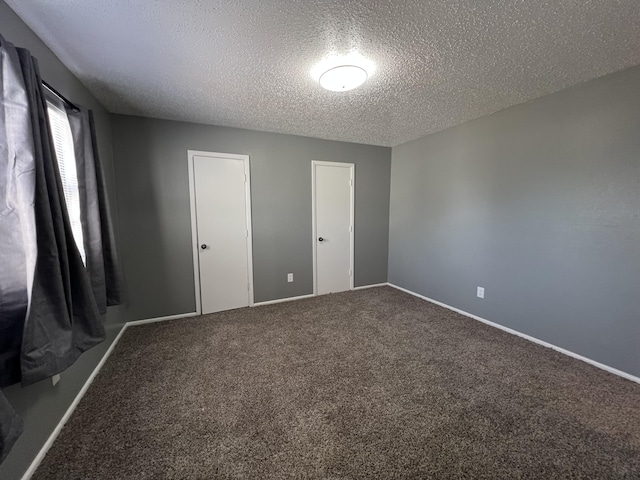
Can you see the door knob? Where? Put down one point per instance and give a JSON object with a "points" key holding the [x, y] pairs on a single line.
{"points": [[203, 246], [321, 239]]}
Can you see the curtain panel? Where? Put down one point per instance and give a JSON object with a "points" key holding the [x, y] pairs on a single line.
{"points": [[52, 306], [17, 222], [99, 242]]}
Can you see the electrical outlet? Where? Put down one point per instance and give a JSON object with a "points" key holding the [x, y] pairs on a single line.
{"points": [[55, 379], [480, 292], [289, 277]]}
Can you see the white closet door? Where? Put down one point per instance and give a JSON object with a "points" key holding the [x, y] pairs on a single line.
{"points": [[333, 207], [222, 231]]}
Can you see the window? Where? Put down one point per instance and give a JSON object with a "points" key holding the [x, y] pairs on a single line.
{"points": [[65, 154]]}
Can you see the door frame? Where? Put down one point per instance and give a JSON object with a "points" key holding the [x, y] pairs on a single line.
{"points": [[351, 167], [194, 219]]}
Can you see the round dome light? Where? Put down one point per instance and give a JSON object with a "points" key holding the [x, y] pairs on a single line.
{"points": [[343, 78]]}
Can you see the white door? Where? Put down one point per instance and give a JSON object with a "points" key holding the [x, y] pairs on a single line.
{"points": [[333, 208], [221, 198]]}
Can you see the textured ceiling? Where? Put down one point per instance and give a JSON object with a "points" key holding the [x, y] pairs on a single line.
{"points": [[247, 63]]}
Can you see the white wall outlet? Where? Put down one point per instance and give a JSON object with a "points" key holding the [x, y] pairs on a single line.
{"points": [[480, 292], [55, 379], [289, 277]]}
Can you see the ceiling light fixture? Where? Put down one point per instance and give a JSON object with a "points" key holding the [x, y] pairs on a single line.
{"points": [[341, 73], [343, 78]]}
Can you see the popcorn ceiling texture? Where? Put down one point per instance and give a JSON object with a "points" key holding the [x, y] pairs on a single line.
{"points": [[246, 63]]}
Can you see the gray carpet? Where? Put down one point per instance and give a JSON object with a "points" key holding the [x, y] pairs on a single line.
{"points": [[366, 384]]}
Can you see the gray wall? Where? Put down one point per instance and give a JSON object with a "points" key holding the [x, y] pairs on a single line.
{"points": [[41, 405], [152, 181], [540, 204]]}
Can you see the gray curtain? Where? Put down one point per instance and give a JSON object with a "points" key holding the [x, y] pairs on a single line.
{"points": [[17, 218], [17, 230], [63, 319], [99, 244], [51, 307]]}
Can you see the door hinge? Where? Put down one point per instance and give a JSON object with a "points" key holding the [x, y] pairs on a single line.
{"points": [[351, 183], [247, 233], [248, 287], [245, 178], [351, 228], [350, 273]]}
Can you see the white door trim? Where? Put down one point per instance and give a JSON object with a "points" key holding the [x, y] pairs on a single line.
{"points": [[194, 220], [351, 168]]}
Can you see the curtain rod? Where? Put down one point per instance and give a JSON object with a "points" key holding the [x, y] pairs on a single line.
{"points": [[60, 96]]}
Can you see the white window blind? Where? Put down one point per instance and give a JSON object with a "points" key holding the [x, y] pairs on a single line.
{"points": [[65, 154]]}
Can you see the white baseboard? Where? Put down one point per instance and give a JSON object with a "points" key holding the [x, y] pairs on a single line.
{"points": [[56, 431], [373, 285], [301, 297], [161, 319], [602, 366], [280, 300]]}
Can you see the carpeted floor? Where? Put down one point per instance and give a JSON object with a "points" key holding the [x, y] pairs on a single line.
{"points": [[365, 384]]}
